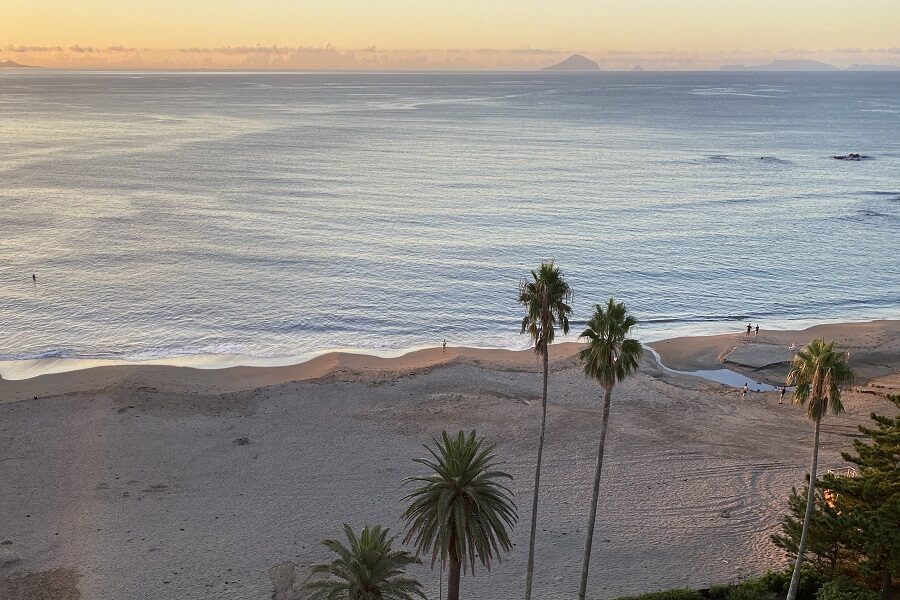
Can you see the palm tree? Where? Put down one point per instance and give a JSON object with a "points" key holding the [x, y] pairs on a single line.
{"points": [[819, 374], [366, 570], [545, 298], [461, 510], [610, 357]]}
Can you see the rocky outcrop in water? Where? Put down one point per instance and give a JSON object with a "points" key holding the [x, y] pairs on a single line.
{"points": [[851, 156]]}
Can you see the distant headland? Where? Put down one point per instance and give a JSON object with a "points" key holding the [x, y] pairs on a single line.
{"points": [[576, 62], [10, 64], [807, 65], [784, 65]]}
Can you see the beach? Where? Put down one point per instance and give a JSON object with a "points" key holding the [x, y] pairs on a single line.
{"points": [[159, 482]]}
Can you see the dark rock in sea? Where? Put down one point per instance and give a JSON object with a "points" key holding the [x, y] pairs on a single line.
{"points": [[851, 156], [241, 441], [576, 62]]}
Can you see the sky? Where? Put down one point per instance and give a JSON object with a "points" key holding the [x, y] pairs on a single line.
{"points": [[485, 34]]}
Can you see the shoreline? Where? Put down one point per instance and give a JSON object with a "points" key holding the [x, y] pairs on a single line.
{"points": [[875, 346], [28, 368], [127, 475]]}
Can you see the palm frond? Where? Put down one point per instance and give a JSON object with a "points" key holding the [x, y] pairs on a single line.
{"points": [[819, 374], [366, 568], [610, 355], [461, 510], [546, 298]]}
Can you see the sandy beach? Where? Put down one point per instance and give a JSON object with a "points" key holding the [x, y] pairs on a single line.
{"points": [[157, 482]]}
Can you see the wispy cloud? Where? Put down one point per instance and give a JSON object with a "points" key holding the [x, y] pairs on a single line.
{"points": [[328, 57]]}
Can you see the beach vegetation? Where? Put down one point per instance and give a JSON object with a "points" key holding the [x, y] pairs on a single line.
{"points": [[854, 529], [675, 594], [367, 567], [545, 298], [462, 511], [819, 374], [609, 357]]}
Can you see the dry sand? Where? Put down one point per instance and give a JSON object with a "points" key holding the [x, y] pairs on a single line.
{"points": [[160, 483]]}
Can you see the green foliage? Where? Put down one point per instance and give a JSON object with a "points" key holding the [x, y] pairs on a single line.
{"points": [[843, 588], [719, 591], [610, 355], [858, 534], [779, 582], [367, 569], [677, 594], [461, 510], [819, 374], [870, 501], [828, 549], [545, 298], [751, 589]]}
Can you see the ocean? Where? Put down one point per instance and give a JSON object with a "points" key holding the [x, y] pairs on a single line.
{"points": [[261, 218]]}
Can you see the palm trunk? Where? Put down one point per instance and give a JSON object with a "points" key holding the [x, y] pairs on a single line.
{"points": [[885, 590], [453, 575], [589, 540], [810, 500], [537, 477]]}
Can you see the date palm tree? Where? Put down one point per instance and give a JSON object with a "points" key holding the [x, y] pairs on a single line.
{"points": [[545, 298], [461, 510], [819, 374], [367, 569], [609, 357]]}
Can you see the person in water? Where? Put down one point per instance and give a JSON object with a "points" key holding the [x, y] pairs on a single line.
{"points": [[757, 330], [748, 329], [34, 278]]}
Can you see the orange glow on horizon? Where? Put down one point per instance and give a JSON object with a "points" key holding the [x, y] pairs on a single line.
{"points": [[677, 34]]}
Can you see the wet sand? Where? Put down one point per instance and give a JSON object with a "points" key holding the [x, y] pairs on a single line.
{"points": [[165, 482], [874, 350]]}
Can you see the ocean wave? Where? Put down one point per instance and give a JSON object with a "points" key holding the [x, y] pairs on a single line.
{"points": [[702, 319], [50, 353]]}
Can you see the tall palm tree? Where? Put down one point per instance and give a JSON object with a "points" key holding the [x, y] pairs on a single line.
{"points": [[462, 510], [819, 374], [545, 298], [366, 570], [609, 357]]}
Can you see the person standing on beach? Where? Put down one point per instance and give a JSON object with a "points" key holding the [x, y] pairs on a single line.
{"points": [[744, 391], [748, 329], [444, 347], [757, 329], [781, 398]]}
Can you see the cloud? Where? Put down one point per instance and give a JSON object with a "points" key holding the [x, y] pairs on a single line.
{"points": [[538, 51], [329, 57], [31, 49]]}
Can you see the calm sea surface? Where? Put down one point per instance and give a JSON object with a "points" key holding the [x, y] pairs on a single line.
{"points": [[270, 216]]}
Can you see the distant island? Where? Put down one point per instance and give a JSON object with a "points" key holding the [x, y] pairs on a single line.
{"points": [[873, 68], [637, 68], [576, 62], [807, 65], [784, 65], [14, 65]]}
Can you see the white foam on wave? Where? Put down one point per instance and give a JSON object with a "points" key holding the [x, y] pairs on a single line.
{"points": [[227, 356]]}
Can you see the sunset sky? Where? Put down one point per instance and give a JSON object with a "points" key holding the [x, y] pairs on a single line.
{"points": [[445, 33]]}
